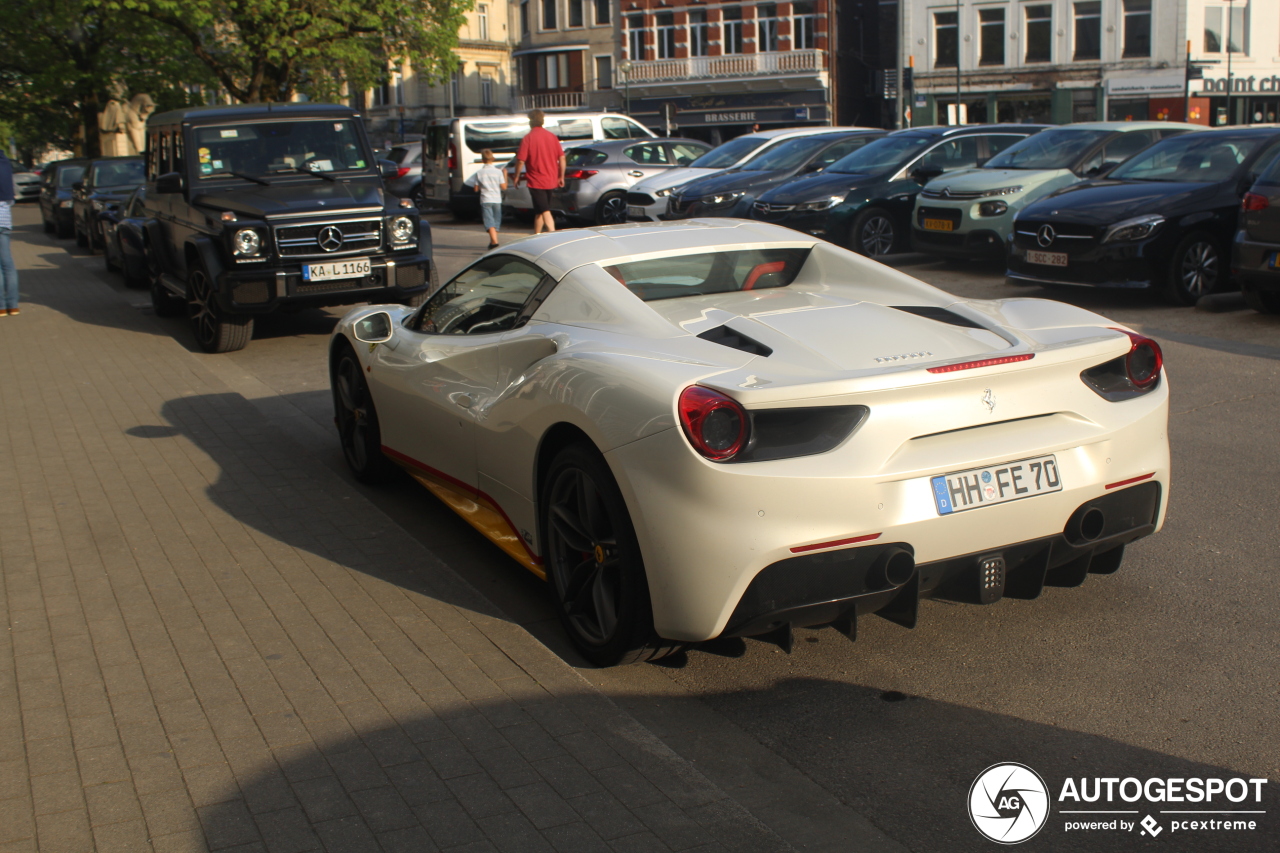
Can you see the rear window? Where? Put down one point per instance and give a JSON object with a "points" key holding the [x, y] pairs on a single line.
{"points": [[584, 157], [710, 272]]}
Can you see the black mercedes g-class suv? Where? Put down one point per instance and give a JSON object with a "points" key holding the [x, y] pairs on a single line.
{"points": [[264, 207]]}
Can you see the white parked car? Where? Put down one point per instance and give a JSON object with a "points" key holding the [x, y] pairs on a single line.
{"points": [[728, 428]]}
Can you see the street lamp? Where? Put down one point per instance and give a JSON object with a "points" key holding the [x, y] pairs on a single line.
{"points": [[625, 67]]}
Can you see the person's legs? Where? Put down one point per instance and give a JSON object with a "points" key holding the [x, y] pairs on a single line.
{"points": [[492, 215], [8, 275], [541, 210], [548, 222]]}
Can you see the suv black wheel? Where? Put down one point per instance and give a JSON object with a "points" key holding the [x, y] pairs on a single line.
{"points": [[357, 419], [1196, 269], [215, 331], [873, 233], [612, 209], [594, 564]]}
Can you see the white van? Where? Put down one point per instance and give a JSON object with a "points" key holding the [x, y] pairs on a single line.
{"points": [[451, 150]]}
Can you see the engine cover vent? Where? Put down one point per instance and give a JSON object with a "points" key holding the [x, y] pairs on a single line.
{"points": [[727, 337], [942, 315]]}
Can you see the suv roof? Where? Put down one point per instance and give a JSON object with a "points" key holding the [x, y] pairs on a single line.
{"points": [[221, 112]]}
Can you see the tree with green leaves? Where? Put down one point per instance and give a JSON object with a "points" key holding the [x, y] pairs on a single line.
{"points": [[58, 59], [271, 50]]}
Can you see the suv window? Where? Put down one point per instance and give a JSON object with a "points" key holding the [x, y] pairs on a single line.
{"points": [[620, 128], [485, 297], [265, 148]]}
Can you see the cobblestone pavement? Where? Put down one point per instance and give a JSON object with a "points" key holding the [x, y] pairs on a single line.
{"points": [[213, 644]]}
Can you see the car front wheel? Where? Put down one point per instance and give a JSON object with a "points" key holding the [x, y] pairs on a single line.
{"points": [[593, 560], [611, 210], [873, 233], [1196, 270], [215, 330], [357, 420]]}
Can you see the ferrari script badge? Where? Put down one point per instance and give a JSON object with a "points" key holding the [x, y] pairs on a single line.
{"points": [[989, 400]]}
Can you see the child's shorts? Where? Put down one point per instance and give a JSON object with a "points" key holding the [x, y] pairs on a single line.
{"points": [[492, 214]]}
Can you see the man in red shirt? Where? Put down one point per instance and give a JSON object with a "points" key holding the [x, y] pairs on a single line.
{"points": [[541, 161]]}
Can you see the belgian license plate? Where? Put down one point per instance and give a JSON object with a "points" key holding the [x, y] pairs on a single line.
{"points": [[353, 268], [1274, 261], [939, 225], [1052, 259], [996, 484], [632, 210]]}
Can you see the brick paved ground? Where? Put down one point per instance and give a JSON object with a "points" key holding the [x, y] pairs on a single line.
{"points": [[214, 644]]}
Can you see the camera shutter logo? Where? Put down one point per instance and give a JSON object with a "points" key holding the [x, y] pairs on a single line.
{"points": [[1008, 803], [330, 238]]}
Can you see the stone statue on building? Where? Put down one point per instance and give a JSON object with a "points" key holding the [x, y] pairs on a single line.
{"points": [[113, 137], [136, 113]]}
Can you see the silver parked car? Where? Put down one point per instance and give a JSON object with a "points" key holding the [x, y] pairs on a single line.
{"points": [[598, 175], [408, 180]]}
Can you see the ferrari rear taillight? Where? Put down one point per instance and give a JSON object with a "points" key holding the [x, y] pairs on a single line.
{"points": [[579, 174], [1253, 201], [715, 425], [1130, 375], [1143, 363]]}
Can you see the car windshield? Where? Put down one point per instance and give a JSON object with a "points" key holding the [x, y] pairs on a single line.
{"points": [[1048, 149], [69, 175], [268, 148], [710, 272], [1194, 158], [885, 154], [122, 173], [789, 155], [724, 156]]}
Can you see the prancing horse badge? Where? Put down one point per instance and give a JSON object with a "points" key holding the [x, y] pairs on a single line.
{"points": [[989, 400]]}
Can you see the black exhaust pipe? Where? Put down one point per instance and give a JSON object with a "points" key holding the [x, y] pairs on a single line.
{"points": [[893, 568], [1086, 525]]}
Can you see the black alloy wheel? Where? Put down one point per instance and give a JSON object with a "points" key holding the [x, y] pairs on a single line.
{"points": [[594, 563], [873, 233], [1196, 270], [357, 420], [612, 209], [215, 331]]}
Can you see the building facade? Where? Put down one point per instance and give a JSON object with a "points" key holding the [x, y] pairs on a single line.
{"points": [[565, 54], [1237, 45], [1053, 61]]}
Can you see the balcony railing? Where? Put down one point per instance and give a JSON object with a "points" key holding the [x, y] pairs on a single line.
{"points": [[734, 65], [552, 101]]}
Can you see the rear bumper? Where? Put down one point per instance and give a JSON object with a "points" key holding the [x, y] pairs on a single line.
{"points": [[1251, 263]]}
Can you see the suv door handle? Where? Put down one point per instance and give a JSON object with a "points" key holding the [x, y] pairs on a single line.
{"points": [[636, 173]]}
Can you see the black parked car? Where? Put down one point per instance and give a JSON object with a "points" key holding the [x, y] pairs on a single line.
{"points": [[257, 208], [123, 228], [734, 191], [106, 181], [1255, 258], [56, 180], [1163, 220], [863, 202]]}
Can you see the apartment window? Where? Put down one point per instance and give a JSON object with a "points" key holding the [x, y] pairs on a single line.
{"points": [[486, 90], [699, 33], [1088, 41], [577, 13], [992, 32], [635, 37], [604, 12], [551, 71], [548, 14], [802, 25], [524, 17], [1215, 34], [767, 27], [946, 39], [604, 72], [1039, 32], [666, 35], [732, 30], [482, 21], [1213, 31], [1137, 28]]}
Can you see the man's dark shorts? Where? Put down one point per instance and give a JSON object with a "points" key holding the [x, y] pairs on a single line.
{"points": [[541, 200]]}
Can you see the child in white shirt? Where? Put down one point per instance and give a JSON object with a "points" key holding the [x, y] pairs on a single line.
{"points": [[490, 180]]}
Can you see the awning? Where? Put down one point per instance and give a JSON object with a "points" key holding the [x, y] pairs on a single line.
{"points": [[559, 48]]}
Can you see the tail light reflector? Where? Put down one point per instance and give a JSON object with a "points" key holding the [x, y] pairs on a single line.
{"points": [[715, 425], [1253, 201], [453, 156], [402, 171], [985, 362], [579, 174]]}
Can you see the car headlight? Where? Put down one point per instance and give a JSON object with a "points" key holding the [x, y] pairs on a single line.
{"points": [[246, 242], [821, 204], [1138, 228], [66, 203], [402, 229], [722, 199], [662, 193], [1003, 191], [992, 208]]}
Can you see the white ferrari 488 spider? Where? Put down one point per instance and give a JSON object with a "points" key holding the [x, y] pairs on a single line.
{"points": [[727, 428]]}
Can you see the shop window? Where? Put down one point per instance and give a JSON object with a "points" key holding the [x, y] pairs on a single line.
{"points": [[802, 25], [992, 23], [1084, 105], [946, 39], [1039, 32], [699, 33], [635, 37], [767, 27], [1088, 40], [604, 12], [732, 29], [1137, 28], [666, 33]]}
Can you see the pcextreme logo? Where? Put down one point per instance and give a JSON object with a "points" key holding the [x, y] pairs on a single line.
{"points": [[1009, 803]]}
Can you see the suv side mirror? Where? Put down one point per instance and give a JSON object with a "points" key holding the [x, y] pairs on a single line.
{"points": [[373, 329], [924, 174], [388, 168], [170, 182]]}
